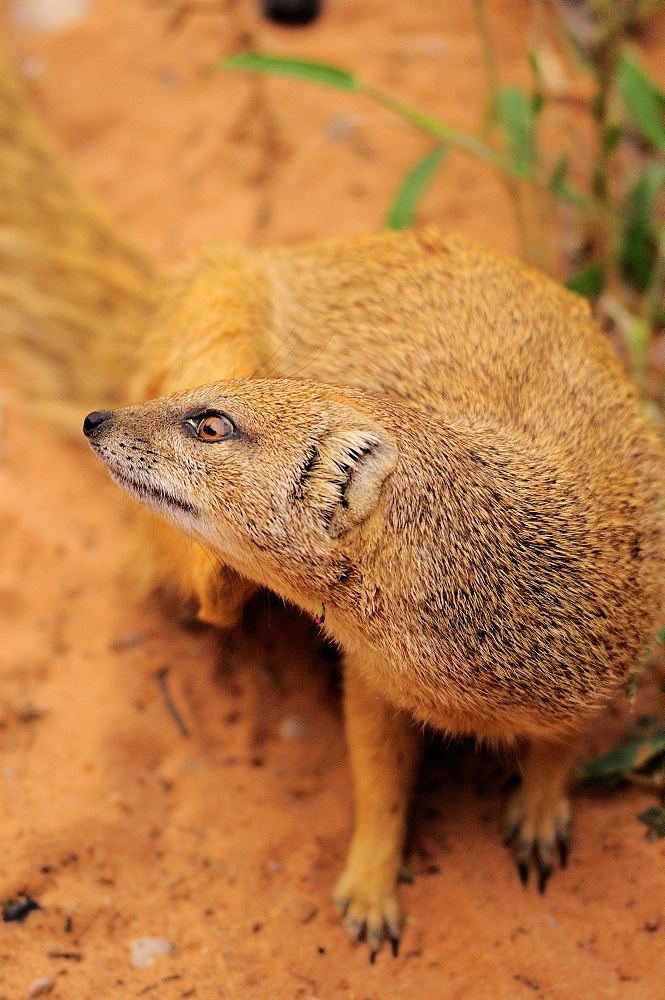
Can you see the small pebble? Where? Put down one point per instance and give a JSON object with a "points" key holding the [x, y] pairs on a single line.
{"points": [[48, 15], [342, 127], [430, 45], [33, 68], [304, 911], [146, 950], [19, 909], [126, 641], [293, 728], [169, 79], [39, 987]]}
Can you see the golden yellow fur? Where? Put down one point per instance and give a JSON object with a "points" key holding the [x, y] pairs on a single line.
{"points": [[480, 509]]}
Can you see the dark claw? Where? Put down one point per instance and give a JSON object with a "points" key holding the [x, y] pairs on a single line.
{"points": [[356, 930], [394, 944], [544, 873], [562, 844], [509, 834], [523, 869], [372, 957]]}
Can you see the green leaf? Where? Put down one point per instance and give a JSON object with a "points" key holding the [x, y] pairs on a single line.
{"points": [[645, 102], [516, 117], [403, 208], [557, 185], [537, 102], [610, 139], [626, 758], [534, 63], [558, 178], [303, 69], [587, 282], [638, 240], [654, 818]]}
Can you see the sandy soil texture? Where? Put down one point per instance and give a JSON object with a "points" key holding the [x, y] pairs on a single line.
{"points": [[159, 781]]}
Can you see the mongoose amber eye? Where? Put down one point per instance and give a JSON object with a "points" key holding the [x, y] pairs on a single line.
{"points": [[213, 427]]}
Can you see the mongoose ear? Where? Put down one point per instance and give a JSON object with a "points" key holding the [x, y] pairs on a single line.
{"points": [[347, 473]]}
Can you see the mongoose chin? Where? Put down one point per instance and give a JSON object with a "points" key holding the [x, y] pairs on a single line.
{"points": [[473, 580]]}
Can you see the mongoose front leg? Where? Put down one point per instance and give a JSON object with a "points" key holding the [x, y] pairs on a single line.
{"points": [[384, 745], [537, 819]]}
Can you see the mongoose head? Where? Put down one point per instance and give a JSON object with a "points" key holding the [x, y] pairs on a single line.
{"points": [[271, 474]]}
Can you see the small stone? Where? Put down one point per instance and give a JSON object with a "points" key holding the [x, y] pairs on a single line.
{"points": [[48, 15], [169, 79], [19, 909], [305, 910], [293, 728], [430, 45], [145, 950], [39, 987], [33, 68], [126, 642]]}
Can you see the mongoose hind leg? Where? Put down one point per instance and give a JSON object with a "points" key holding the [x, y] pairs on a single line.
{"points": [[537, 819], [384, 746]]}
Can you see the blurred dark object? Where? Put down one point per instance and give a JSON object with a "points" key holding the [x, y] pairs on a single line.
{"points": [[291, 11], [18, 909]]}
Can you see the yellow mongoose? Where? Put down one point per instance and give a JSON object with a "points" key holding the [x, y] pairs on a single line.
{"points": [[475, 580], [480, 511]]}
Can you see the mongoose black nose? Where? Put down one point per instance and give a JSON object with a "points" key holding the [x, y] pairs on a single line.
{"points": [[94, 419]]}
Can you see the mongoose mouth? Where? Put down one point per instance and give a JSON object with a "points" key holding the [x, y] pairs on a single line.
{"points": [[149, 494]]}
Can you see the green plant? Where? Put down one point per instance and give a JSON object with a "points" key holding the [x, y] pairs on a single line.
{"points": [[640, 760], [618, 258]]}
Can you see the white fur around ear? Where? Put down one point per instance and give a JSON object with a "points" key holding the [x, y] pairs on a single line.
{"points": [[347, 473]]}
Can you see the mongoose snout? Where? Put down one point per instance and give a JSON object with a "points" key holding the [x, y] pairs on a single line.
{"points": [[94, 420]]}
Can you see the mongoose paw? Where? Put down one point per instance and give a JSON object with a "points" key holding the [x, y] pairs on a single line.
{"points": [[371, 911], [537, 831]]}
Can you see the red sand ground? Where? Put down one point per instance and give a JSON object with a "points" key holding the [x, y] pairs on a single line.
{"points": [[227, 841]]}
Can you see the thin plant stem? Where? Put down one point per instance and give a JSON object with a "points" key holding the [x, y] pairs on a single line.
{"points": [[491, 72], [654, 292], [462, 141], [492, 79], [459, 140], [606, 62], [515, 191], [332, 76]]}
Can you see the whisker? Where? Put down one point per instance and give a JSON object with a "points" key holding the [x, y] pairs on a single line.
{"points": [[296, 342]]}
